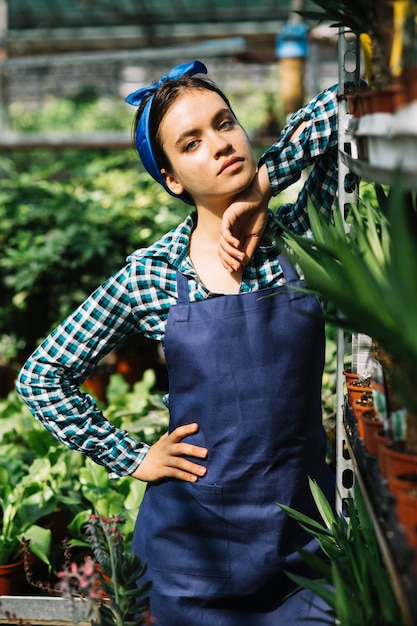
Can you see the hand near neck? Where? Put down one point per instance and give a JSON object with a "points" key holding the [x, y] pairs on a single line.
{"points": [[243, 223], [204, 255]]}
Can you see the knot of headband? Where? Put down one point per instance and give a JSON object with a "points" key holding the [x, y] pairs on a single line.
{"points": [[143, 139]]}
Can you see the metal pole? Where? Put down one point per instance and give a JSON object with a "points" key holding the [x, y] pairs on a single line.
{"points": [[349, 58]]}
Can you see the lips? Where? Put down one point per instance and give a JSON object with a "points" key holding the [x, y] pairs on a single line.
{"points": [[230, 164]]}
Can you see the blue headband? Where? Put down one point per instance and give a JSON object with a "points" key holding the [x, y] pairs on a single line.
{"points": [[143, 140]]}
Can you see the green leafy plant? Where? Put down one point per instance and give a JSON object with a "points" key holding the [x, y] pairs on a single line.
{"points": [[363, 17], [69, 220], [105, 498], [139, 410], [87, 114], [39, 476], [370, 276], [352, 15], [353, 580], [25, 498], [110, 580]]}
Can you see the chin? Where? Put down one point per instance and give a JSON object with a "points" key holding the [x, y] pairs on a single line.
{"points": [[245, 184]]}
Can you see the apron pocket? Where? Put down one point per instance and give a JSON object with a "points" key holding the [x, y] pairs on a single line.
{"points": [[187, 529]]}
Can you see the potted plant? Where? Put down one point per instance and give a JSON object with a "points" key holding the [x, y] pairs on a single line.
{"points": [[69, 220], [373, 23], [24, 500], [370, 274], [107, 579], [352, 578]]}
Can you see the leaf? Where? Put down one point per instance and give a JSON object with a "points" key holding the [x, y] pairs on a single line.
{"points": [[325, 510], [94, 480], [305, 522], [317, 564], [317, 586], [40, 542], [75, 526]]}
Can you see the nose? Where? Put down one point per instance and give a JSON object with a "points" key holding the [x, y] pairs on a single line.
{"points": [[221, 144]]}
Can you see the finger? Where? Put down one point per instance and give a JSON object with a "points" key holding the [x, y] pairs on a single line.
{"points": [[249, 247], [226, 231], [187, 449], [183, 431], [229, 249], [186, 470], [229, 239], [231, 257], [178, 448], [230, 263]]}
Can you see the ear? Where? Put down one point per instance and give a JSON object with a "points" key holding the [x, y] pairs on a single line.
{"points": [[172, 183]]}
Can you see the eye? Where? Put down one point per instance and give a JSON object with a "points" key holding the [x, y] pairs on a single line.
{"points": [[227, 123], [190, 145]]}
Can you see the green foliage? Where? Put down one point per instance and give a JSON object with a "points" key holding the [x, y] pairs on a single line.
{"points": [[69, 220], [39, 475], [142, 413], [353, 579], [120, 571], [76, 115], [106, 498], [370, 276], [352, 14], [24, 500], [139, 411]]}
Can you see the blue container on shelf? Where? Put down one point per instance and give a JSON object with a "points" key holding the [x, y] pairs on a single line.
{"points": [[291, 42]]}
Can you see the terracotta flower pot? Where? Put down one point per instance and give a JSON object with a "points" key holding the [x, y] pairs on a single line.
{"points": [[383, 440], [385, 100], [354, 104], [411, 538], [359, 410], [409, 78], [11, 578], [407, 512], [371, 425], [398, 463], [349, 375], [403, 482], [355, 391]]}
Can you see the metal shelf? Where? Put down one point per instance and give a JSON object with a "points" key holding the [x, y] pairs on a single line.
{"points": [[381, 175], [397, 554]]}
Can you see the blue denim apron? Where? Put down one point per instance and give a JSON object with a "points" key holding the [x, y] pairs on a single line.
{"points": [[248, 369]]}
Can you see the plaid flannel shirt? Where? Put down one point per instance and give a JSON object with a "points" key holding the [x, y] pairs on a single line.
{"points": [[137, 298]]}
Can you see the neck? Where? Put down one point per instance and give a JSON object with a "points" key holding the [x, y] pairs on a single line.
{"points": [[209, 222], [208, 227], [204, 254]]}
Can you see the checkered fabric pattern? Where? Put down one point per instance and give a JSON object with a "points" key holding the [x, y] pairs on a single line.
{"points": [[138, 297], [316, 145]]}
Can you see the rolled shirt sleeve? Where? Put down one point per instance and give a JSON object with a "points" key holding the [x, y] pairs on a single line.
{"points": [[50, 379], [315, 145]]}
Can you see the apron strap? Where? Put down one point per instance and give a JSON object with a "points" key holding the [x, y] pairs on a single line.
{"points": [[182, 288], [288, 269]]}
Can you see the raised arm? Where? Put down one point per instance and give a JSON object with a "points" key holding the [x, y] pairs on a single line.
{"points": [[309, 137]]}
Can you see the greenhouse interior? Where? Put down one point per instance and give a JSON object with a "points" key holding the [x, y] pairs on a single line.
{"points": [[319, 147]]}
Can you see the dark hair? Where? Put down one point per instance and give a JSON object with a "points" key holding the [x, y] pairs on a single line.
{"points": [[163, 98]]}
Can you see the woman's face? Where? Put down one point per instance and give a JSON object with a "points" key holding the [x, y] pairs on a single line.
{"points": [[210, 153]]}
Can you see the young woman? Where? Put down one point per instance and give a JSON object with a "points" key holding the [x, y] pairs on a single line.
{"points": [[244, 353]]}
